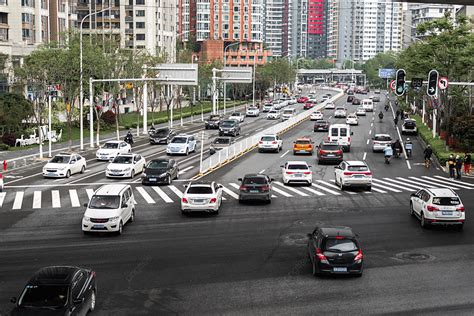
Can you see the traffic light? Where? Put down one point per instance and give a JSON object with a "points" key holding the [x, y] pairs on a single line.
{"points": [[432, 89], [400, 82]]}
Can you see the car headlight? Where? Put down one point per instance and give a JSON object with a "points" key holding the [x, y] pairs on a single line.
{"points": [[162, 175], [63, 168], [127, 169], [207, 122], [86, 219], [143, 175], [114, 219]]}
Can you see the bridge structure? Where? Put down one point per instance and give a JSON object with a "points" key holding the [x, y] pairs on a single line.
{"points": [[325, 76]]}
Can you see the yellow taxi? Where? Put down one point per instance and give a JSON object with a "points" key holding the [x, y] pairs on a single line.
{"points": [[303, 145]]}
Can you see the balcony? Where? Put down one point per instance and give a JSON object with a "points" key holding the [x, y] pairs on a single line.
{"points": [[128, 31], [129, 19]]}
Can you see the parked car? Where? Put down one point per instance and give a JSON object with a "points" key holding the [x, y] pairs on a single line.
{"points": [[125, 166], [213, 121], [308, 105], [353, 174], [360, 111], [220, 143], [64, 165], [252, 111], [109, 209], [329, 152], [335, 250], [163, 135], [229, 127], [297, 172], [58, 290], [237, 116], [160, 171], [316, 115], [112, 148], [352, 119], [340, 112], [303, 145], [202, 196], [274, 115], [255, 187], [270, 142], [380, 141], [437, 206], [182, 144], [321, 126], [409, 127]]}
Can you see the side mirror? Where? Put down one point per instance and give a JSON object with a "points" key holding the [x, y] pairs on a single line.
{"points": [[220, 186], [373, 138], [282, 166], [239, 179], [72, 162], [111, 159], [185, 186], [271, 179], [77, 301], [85, 204], [13, 300], [124, 205], [336, 167]]}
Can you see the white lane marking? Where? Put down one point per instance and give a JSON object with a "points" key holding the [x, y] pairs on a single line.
{"points": [[90, 193], [37, 199], [455, 181], [408, 163], [286, 152], [259, 129], [185, 169], [365, 156], [89, 176], [448, 183], [162, 194], [335, 186], [314, 191], [234, 185], [262, 171], [74, 198], [330, 117], [229, 192], [393, 185], [422, 185], [291, 189], [281, 192], [56, 199], [371, 124], [2, 197], [405, 184], [435, 184], [176, 191], [145, 195], [57, 180], [370, 132], [368, 141], [325, 189], [403, 148], [18, 200], [384, 187], [378, 190]]}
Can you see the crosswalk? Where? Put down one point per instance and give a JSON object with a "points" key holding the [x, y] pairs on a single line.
{"points": [[154, 195]]}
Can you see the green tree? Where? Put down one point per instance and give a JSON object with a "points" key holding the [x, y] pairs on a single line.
{"points": [[14, 109], [379, 61]]}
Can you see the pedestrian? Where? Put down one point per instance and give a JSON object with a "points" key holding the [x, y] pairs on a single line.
{"points": [[459, 161], [467, 163], [451, 165], [402, 115], [397, 114], [395, 120]]}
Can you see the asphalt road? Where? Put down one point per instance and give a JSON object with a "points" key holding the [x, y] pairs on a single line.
{"points": [[251, 259]]}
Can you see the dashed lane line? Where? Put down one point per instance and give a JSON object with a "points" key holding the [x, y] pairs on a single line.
{"points": [[286, 152]]}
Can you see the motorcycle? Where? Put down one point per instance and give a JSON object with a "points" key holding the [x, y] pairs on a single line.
{"points": [[128, 139], [386, 107], [397, 152], [381, 116]]}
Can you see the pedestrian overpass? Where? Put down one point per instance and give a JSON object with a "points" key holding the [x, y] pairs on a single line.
{"points": [[326, 76]]}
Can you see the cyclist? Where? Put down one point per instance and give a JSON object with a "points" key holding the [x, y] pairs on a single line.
{"points": [[428, 152]]}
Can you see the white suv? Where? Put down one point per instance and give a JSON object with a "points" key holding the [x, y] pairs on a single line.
{"points": [[109, 209], [237, 116], [202, 197], [437, 206], [340, 112], [252, 111], [353, 174], [270, 142], [274, 115], [297, 172], [111, 149], [64, 165], [181, 144]]}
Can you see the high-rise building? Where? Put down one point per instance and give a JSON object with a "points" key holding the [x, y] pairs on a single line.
{"points": [[423, 12], [317, 28]]}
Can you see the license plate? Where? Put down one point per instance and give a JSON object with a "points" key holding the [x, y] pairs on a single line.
{"points": [[331, 155], [447, 212], [103, 157], [340, 269], [98, 226], [253, 191], [152, 179], [298, 175], [198, 201], [359, 176]]}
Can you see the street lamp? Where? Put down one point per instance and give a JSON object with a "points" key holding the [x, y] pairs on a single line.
{"points": [[81, 94]]}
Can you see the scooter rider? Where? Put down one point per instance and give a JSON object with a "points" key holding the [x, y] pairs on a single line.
{"points": [[388, 153], [380, 115], [397, 148], [386, 107], [129, 138], [409, 147]]}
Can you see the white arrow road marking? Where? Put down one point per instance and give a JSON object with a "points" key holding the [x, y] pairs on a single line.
{"points": [[185, 169], [18, 200]]}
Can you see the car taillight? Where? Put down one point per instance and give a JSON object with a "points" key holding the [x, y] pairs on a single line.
{"points": [[184, 200], [243, 188], [265, 188], [359, 256], [274, 142], [376, 143], [307, 172], [93, 274], [367, 173], [321, 257], [213, 200], [260, 142], [431, 208], [289, 172], [339, 152], [348, 173], [460, 208], [349, 139], [323, 152]]}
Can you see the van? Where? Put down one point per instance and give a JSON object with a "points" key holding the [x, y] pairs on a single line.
{"points": [[341, 133], [368, 105], [287, 114]]}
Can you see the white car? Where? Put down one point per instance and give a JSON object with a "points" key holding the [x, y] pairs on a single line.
{"points": [[352, 119], [237, 116], [292, 101], [125, 166], [437, 206], [274, 115], [64, 165], [325, 98], [297, 172], [287, 114], [330, 106], [353, 174], [316, 115], [111, 149], [267, 107], [252, 111], [182, 145], [360, 111], [380, 141], [270, 142], [202, 197], [109, 209], [340, 112]]}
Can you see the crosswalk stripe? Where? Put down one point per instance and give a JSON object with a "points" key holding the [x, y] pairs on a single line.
{"points": [[162, 194], [436, 184], [378, 190], [37, 199], [231, 193], [176, 191], [90, 193], [74, 198], [281, 192], [449, 183], [384, 187], [334, 186], [393, 185], [313, 191], [2, 197], [415, 187], [455, 181], [291, 189], [145, 195], [18, 200], [325, 189], [421, 185], [55, 198]]}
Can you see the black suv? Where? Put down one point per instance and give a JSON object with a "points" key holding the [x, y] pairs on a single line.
{"points": [[329, 152], [58, 290], [213, 121], [335, 250], [255, 187], [162, 135], [229, 127]]}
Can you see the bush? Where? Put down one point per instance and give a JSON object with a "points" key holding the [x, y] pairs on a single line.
{"points": [[4, 147], [9, 139], [108, 118]]}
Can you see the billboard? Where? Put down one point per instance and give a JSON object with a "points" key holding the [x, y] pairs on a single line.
{"points": [[387, 73]]}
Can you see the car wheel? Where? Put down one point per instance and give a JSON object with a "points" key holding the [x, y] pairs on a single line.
{"points": [[93, 301], [132, 217], [459, 227], [177, 174], [341, 186], [130, 150], [358, 275], [412, 211], [423, 222], [132, 174], [168, 180], [369, 188], [68, 174], [269, 201], [187, 152], [241, 201], [83, 169], [207, 127], [315, 270], [120, 230]]}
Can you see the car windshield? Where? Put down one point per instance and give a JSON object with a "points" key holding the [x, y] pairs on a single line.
{"points": [[228, 123], [297, 167], [60, 159], [445, 201], [104, 202], [321, 122], [267, 138], [339, 245], [382, 138], [44, 295], [288, 112], [357, 168], [123, 159], [223, 141], [194, 189], [273, 112], [157, 164], [303, 142], [161, 132], [340, 109], [329, 147], [110, 146], [235, 114], [251, 108], [409, 124], [179, 140], [254, 180]]}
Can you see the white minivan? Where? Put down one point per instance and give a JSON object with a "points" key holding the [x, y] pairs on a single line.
{"points": [[341, 133], [368, 105]]}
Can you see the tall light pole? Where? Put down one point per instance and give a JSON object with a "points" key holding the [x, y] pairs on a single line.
{"points": [[81, 93]]}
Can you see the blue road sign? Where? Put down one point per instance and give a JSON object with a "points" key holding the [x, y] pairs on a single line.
{"points": [[386, 73]]}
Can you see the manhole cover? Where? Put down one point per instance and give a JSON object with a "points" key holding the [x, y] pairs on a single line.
{"points": [[414, 256]]}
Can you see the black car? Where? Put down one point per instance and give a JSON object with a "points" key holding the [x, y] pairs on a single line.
{"points": [[329, 152], [162, 136], [356, 101], [321, 126], [160, 171], [229, 127], [255, 187], [58, 290], [350, 98], [335, 250], [213, 121]]}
